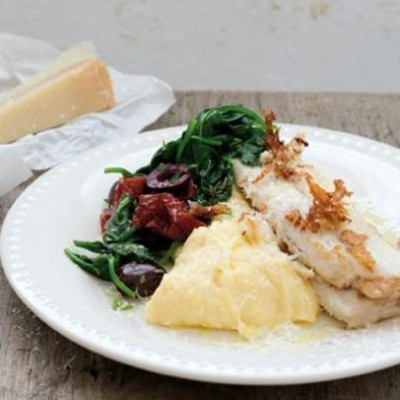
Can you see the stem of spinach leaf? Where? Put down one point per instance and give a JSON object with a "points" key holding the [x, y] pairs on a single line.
{"points": [[185, 140], [95, 247], [82, 261], [118, 283], [206, 141], [119, 170]]}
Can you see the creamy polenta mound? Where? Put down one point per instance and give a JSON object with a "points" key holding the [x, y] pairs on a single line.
{"points": [[232, 275]]}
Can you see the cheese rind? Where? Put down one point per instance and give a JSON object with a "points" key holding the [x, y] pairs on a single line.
{"points": [[76, 84]]}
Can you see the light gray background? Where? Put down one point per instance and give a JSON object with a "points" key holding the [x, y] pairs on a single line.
{"points": [[331, 45]]}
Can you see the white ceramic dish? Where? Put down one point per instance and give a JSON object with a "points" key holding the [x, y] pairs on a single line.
{"points": [[65, 203]]}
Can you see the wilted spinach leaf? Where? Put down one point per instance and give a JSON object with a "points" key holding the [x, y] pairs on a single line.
{"points": [[97, 266], [119, 228], [209, 144]]}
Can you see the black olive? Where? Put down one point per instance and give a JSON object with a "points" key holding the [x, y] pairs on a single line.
{"points": [[142, 278], [169, 176]]}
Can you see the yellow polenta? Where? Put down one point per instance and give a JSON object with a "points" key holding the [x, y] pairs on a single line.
{"points": [[232, 275]]}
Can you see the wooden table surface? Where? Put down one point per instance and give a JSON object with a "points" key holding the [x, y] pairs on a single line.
{"points": [[38, 363]]}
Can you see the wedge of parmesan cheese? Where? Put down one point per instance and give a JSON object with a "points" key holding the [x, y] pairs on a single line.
{"points": [[232, 275], [75, 84]]}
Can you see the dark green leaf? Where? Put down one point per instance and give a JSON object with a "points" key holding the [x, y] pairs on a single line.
{"points": [[94, 247], [165, 257], [209, 144], [119, 228], [97, 266], [138, 252]]}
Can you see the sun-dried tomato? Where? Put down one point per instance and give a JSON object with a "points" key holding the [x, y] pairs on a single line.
{"points": [[164, 214], [133, 186], [104, 217]]}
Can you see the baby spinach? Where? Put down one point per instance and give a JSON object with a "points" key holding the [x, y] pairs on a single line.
{"points": [[119, 228], [119, 245], [138, 252], [97, 266], [209, 144], [94, 247], [165, 257]]}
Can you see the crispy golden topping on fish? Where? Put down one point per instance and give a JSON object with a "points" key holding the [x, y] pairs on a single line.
{"points": [[355, 244], [281, 157], [328, 211]]}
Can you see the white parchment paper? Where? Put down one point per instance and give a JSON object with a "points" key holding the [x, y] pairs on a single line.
{"points": [[140, 100]]}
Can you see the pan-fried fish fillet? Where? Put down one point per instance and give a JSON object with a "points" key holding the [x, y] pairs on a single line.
{"points": [[352, 308], [354, 254], [328, 231]]}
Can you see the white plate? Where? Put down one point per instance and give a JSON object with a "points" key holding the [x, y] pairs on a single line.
{"points": [[64, 204]]}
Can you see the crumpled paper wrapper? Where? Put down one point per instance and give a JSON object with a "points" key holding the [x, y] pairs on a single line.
{"points": [[140, 100]]}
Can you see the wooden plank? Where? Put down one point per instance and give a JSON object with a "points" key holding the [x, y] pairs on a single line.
{"points": [[38, 363], [370, 115]]}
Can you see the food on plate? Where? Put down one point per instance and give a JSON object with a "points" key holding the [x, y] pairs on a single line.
{"points": [[232, 275], [76, 83], [357, 270], [178, 231], [152, 211]]}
